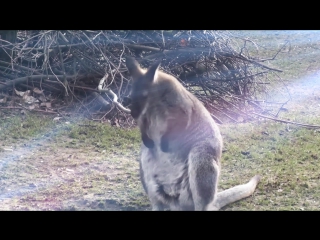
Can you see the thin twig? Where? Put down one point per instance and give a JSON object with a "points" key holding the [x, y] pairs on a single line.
{"points": [[115, 97], [285, 121], [35, 77]]}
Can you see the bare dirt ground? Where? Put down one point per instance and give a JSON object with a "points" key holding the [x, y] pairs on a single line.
{"points": [[41, 174]]}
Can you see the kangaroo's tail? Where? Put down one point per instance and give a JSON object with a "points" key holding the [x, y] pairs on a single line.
{"points": [[235, 193]]}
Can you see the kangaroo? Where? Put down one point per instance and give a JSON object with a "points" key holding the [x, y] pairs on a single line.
{"points": [[181, 144]]}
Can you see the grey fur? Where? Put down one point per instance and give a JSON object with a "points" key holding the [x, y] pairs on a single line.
{"points": [[182, 145]]}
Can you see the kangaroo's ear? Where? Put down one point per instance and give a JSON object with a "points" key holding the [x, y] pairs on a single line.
{"points": [[134, 68], [151, 73]]}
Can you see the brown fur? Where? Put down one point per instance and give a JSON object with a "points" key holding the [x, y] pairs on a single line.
{"points": [[182, 145]]}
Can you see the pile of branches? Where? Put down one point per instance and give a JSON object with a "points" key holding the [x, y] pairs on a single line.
{"points": [[55, 71]]}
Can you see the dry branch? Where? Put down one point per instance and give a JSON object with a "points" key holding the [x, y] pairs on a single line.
{"points": [[33, 77], [214, 65], [290, 122], [114, 96]]}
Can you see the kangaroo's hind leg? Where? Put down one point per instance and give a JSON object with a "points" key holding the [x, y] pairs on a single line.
{"points": [[203, 172]]}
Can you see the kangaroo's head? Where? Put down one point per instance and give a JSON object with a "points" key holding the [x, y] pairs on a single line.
{"points": [[142, 81]]}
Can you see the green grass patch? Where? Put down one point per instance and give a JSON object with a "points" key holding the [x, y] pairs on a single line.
{"points": [[16, 128]]}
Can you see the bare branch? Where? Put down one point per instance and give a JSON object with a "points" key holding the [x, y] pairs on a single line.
{"points": [[34, 77], [290, 122], [115, 97], [214, 65]]}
